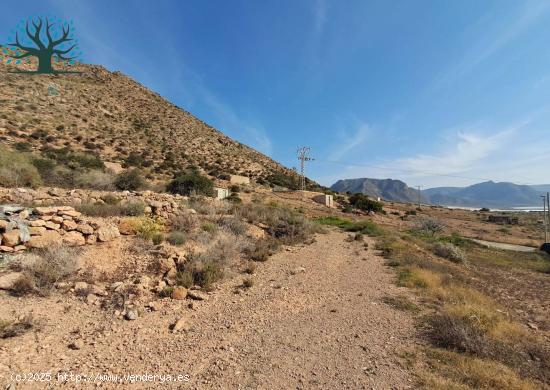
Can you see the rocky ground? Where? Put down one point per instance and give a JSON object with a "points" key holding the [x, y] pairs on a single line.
{"points": [[313, 318]]}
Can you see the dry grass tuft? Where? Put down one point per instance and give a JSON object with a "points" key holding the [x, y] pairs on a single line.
{"points": [[15, 328]]}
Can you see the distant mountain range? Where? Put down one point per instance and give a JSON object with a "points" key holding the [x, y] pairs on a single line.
{"points": [[486, 194]]}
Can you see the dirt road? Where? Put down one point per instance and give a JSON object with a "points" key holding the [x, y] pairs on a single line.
{"points": [[314, 318], [505, 246]]}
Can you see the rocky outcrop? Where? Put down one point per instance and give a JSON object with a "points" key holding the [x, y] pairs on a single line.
{"points": [[22, 228]]}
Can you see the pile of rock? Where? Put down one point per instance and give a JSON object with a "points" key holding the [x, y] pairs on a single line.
{"points": [[22, 228], [157, 203]]}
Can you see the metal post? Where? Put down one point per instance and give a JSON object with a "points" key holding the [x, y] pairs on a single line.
{"points": [[547, 216], [544, 218], [303, 157]]}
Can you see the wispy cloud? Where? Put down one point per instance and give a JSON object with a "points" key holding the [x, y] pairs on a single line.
{"points": [[350, 142], [468, 150], [484, 48], [319, 16]]}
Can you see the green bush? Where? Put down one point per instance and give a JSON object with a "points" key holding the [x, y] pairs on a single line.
{"points": [[362, 202], [191, 184], [129, 181], [17, 170]]}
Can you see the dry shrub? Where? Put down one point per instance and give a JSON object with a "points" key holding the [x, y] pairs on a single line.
{"points": [[176, 238], [451, 370], [23, 286], [418, 277], [262, 249], [104, 210], [450, 252], [430, 227], [49, 266], [184, 222], [236, 225], [401, 302], [286, 225], [97, 180], [210, 207], [15, 328]]}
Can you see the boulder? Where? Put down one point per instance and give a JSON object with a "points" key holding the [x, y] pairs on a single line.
{"points": [[51, 225], [166, 264], [81, 287], [131, 314], [36, 230], [73, 238], [6, 248], [85, 229], [57, 219], [107, 233], [69, 213], [69, 224], [91, 239], [126, 227], [3, 225], [181, 324], [179, 293], [10, 238], [48, 238], [7, 281], [37, 223], [197, 295], [45, 210]]}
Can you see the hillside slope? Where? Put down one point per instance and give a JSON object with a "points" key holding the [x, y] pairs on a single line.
{"points": [[110, 114]]}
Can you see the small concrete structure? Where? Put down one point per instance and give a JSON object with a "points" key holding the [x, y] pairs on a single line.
{"points": [[326, 200], [221, 193], [503, 219], [236, 179]]}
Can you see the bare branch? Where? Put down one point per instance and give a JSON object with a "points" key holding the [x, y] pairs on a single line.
{"points": [[48, 26], [64, 51], [36, 36], [62, 57], [31, 50], [66, 30]]}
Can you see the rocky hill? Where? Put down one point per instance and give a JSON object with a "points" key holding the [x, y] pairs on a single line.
{"points": [[486, 194], [388, 189], [113, 116]]}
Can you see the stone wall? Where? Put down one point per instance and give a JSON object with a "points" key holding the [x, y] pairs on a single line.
{"points": [[22, 228], [158, 203]]}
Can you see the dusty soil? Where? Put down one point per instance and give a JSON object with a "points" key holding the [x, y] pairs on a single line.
{"points": [[314, 318]]}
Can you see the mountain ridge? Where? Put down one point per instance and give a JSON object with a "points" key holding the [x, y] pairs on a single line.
{"points": [[485, 194]]}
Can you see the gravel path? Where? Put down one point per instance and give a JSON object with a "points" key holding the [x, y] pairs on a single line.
{"points": [[313, 319]]}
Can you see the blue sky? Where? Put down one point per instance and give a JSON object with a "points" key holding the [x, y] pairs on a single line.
{"points": [[430, 92]]}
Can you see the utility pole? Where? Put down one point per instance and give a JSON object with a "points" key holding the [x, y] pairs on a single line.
{"points": [[545, 217], [419, 195], [303, 156]]}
